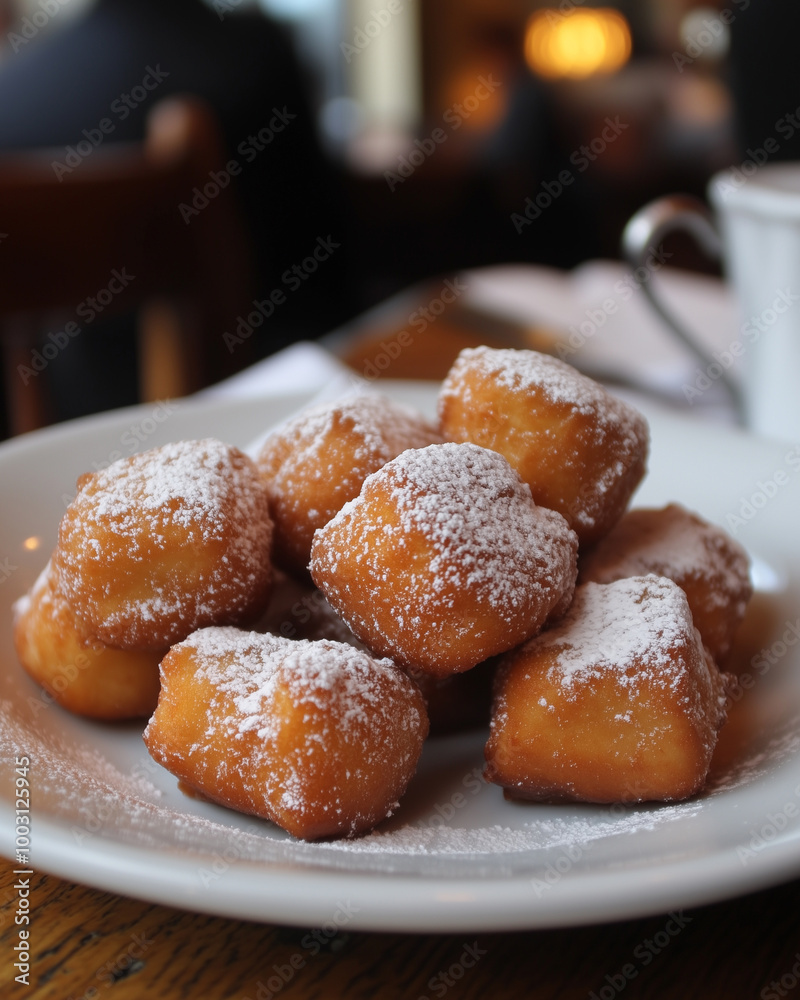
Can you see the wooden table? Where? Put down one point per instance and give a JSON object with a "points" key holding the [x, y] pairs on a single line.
{"points": [[88, 944], [95, 945]]}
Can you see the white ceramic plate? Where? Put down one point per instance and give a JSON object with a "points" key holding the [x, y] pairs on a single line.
{"points": [[456, 856]]}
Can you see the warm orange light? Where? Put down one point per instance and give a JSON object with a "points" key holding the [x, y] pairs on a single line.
{"points": [[577, 44], [477, 101]]}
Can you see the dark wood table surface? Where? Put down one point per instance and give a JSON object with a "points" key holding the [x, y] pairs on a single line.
{"points": [[98, 946], [88, 944]]}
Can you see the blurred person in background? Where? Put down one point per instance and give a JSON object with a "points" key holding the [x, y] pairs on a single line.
{"points": [[59, 79]]}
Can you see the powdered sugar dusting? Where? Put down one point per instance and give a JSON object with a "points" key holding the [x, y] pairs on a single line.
{"points": [[185, 483], [563, 428], [377, 428], [480, 519], [445, 530], [93, 798], [319, 736], [664, 541], [631, 627], [317, 461], [529, 371], [88, 797], [627, 655], [539, 835], [477, 515], [700, 557], [121, 558], [247, 666]]}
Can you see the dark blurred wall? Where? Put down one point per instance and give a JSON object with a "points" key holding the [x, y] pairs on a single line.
{"points": [[765, 77]]}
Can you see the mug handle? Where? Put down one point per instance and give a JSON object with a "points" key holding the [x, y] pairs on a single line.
{"points": [[648, 227]]}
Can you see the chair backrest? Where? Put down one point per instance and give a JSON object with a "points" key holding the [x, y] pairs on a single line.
{"points": [[119, 227]]}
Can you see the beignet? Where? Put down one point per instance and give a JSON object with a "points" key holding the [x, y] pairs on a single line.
{"points": [[444, 560], [77, 670], [316, 462], [581, 450], [165, 542], [318, 737], [618, 702], [707, 564]]}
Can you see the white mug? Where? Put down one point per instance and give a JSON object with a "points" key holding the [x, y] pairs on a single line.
{"points": [[755, 229]]}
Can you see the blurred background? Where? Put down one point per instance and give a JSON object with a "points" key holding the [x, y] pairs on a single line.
{"points": [[413, 138], [560, 73]]}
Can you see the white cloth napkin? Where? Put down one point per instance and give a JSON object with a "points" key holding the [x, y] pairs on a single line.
{"points": [[304, 366]]}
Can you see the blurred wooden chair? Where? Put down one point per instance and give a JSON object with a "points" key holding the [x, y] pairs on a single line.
{"points": [[112, 230]]}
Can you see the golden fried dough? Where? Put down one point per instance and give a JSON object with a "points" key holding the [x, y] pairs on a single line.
{"points": [[710, 567], [164, 542], [618, 702], [581, 450], [76, 669], [316, 462], [443, 559], [318, 737]]}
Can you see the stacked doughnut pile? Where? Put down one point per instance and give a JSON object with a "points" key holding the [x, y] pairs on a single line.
{"points": [[482, 569]]}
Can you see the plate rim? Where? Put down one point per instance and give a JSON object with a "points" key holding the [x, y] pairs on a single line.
{"points": [[422, 903]]}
